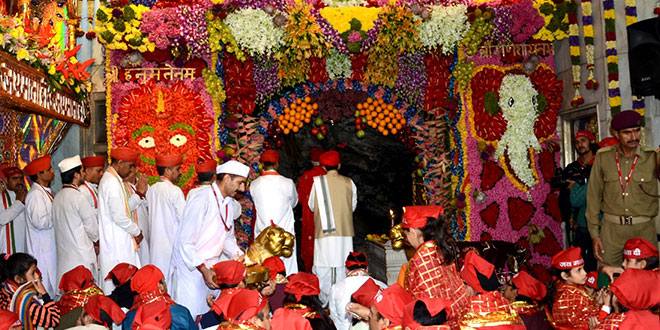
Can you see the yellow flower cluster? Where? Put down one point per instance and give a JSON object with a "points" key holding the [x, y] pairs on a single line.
{"points": [[339, 17], [124, 32], [544, 33]]}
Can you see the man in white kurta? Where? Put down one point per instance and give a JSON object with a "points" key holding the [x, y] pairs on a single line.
{"points": [[333, 199], [139, 210], [165, 202], [92, 173], [76, 228], [205, 176], [12, 212], [274, 198], [206, 233], [119, 234], [40, 234]]}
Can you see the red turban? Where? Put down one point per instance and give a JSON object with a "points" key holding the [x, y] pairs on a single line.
{"points": [[639, 248], [206, 166], [567, 259], [433, 305], [239, 304], [125, 153], [229, 272], [146, 279], [592, 279], [270, 156], [100, 302], [472, 265], [93, 161], [275, 265], [302, 284], [78, 278], [315, 153], [392, 302], [38, 165], [10, 171], [153, 316], [169, 160], [366, 293], [528, 286], [637, 289], [329, 158], [585, 134], [417, 216], [123, 272]]}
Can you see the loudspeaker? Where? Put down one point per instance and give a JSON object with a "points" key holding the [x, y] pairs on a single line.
{"points": [[644, 57]]}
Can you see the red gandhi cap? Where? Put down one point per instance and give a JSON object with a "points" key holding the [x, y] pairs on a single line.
{"points": [[626, 119], [433, 305], [229, 272], [392, 302], [315, 153], [153, 316], [472, 265], [639, 248], [417, 216], [366, 293], [76, 279], [567, 259], [97, 303], [123, 272], [206, 166], [637, 288], [169, 160], [592, 279], [528, 286], [275, 265], [302, 284], [608, 141], [93, 161], [329, 158], [9, 320], [125, 153], [270, 156], [10, 171], [38, 165], [146, 279], [585, 134], [239, 304]]}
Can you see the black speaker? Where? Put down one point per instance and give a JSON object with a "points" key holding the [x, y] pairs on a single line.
{"points": [[644, 57]]}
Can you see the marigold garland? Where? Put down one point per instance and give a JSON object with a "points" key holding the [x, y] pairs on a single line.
{"points": [[613, 91], [574, 48], [631, 18], [119, 28], [588, 34]]}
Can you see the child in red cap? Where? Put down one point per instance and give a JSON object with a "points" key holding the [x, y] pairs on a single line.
{"points": [[526, 294], [639, 292], [638, 253]]}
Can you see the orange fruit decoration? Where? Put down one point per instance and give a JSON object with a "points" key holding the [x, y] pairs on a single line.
{"points": [[380, 115], [296, 114]]}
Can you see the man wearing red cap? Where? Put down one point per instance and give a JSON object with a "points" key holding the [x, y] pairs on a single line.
{"points": [[121, 277], [638, 291], [333, 199], [243, 309], [165, 202], [40, 234], [76, 227], [304, 189], [573, 196], [274, 198], [12, 212], [622, 186], [92, 172], [119, 233], [205, 170]]}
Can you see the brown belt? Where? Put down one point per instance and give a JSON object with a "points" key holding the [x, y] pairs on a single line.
{"points": [[625, 220]]}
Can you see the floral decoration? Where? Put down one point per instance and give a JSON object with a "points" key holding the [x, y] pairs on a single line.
{"points": [[482, 25], [445, 29], [221, 37], [344, 3], [254, 31], [527, 21], [411, 83], [613, 91], [339, 18], [588, 33], [574, 50], [161, 27], [338, 65], [631, 18], [194, 30], [354, 36], [119, 28], [556, 19]]}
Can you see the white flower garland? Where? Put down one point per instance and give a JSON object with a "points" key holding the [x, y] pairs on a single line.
{"points": [[338, 65], [518, 104], [254, 31], [344, 3], [446, 27]]}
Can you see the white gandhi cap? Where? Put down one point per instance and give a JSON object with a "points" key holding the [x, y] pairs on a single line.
{"points": [[69, 163], [233, 167]]}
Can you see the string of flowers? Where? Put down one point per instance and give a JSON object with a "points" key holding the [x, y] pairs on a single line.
{"points": [[613, 91], [588, 34], [119, 28], [574, 49], [631, 18]]}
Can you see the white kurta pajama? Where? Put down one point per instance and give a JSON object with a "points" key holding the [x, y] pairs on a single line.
{"points": [[117, 226], [165, 202], [76, 230], [274, 198], [340, 296], [40, 234], [206, 233], [142, 213], [12, 223], [91, 193]]}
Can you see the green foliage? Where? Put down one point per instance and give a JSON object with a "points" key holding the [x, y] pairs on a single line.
{"points": [[490, 103]]}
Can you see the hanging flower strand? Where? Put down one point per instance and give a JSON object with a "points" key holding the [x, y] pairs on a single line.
{"points": [[613, 92], [631, 18], [588, 33], [574, 48]]}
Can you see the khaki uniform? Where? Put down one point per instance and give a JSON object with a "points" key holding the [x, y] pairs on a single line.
{"points": [[625, 214]]}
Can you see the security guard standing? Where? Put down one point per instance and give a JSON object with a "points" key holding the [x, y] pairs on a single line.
{"points": [[622, 186]]}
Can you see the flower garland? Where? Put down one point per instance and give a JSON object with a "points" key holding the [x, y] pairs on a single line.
{"points": [[613, 91], [631, 18], [445, 29], [119, 28], [588, 32], [254, 31], [574, 49]]}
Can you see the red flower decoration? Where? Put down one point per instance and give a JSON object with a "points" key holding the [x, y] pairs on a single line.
{"points": [[158, 55], [520, 212], [437, 82], [549, 245], [358, 62], [490, 214], [541, 273], [547, 164], [239, 85], [490, 175], [551, 206], [317, 72], [546, 83]]}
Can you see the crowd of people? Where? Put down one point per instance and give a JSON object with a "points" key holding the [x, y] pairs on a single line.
{"points": [[109, 251]]}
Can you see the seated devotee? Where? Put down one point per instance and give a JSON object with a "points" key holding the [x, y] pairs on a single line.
{"points": [[24, 293], [638, 253], [360, 306], [243, 309], [426, 313], [229, 275], [638, 291], [340, 294], [431, 271], [149, 283], [100, 312], [302, 298], [277, 275], [572, 307], [591, 284], [486, 308], [121, 277], [526, 294], [154, 315], [78, 286], [9, 320], [388, 307]]}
